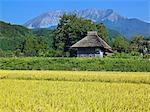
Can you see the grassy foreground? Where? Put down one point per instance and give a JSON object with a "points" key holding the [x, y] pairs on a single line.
{"points": [[67, 91]]}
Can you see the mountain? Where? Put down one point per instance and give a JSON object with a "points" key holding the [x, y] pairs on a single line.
{"points": [[51, 18], [129, 27], [112, 20]]}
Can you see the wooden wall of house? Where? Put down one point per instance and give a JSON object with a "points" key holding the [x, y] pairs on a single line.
{"points": [[89, 52]]}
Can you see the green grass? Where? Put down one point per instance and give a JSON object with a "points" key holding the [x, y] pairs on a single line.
{"points": [[75, 64]]}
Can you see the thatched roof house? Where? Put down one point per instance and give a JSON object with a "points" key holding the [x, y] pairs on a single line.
{"points": [[92, 46]]}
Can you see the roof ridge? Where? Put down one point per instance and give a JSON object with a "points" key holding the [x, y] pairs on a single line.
{"points": [[91, 41]]}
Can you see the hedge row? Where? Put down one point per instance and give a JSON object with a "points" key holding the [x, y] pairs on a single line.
{"points": [[80, 64]]}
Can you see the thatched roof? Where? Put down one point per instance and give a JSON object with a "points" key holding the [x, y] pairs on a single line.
{"points": [[91, 40]]}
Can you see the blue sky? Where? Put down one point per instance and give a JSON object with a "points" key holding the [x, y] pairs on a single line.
{"points": [[20, 11]]}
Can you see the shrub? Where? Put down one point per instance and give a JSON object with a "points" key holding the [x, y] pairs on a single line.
{"points": [[146, 56], [88, 64]]}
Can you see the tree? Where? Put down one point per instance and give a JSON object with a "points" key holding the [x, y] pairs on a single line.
{"points": [[29, 47], [120, 44], [137, 44], [2, 53], [70, 30], [18, 53], [46, 35], [103, 32], [147, 45]]}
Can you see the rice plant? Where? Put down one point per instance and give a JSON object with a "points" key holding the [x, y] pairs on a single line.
{"points": [[67, 91]]}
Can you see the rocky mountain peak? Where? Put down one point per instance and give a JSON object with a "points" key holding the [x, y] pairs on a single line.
{"points": [[51, 18]]}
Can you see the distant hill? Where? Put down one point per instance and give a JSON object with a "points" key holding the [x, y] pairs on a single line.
{"points": [[129, 27], [112, 20], [10, 30], [12, 35]]}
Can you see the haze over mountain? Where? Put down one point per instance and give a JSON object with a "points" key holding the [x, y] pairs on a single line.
{"points": [[112, 20]]}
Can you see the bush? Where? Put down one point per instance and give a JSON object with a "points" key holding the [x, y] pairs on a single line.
{"points": [[132, 55], [88, 64], [2, 53], [146, 56]]}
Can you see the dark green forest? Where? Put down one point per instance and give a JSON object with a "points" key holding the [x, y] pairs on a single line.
{"points": [[18, 41]]}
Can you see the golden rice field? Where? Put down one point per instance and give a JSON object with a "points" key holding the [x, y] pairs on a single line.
{"points": [[73, 91]]}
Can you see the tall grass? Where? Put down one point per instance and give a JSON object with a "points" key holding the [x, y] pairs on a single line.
{"points": [[74, 91], [78, 76], [68, 96]]}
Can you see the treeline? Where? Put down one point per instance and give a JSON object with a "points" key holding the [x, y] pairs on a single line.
{"points": [[75, 64], [18, 41]]}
